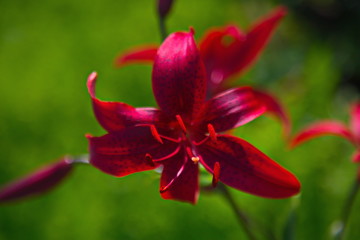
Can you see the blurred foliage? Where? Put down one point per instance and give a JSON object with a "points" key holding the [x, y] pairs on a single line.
{"points": [[47, 49]]}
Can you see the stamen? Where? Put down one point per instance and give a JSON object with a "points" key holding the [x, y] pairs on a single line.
{"points": [[155, 134], [168, 156], [212, 132], [216, 174], [171, 139], [164, 189], [201, 142], [181, 123], [149, 159]]}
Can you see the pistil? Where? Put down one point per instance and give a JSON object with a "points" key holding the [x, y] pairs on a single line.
{"points": [[163, 189]]}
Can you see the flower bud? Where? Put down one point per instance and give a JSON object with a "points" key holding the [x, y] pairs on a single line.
{"points": [[164, 6], [38, 182]]}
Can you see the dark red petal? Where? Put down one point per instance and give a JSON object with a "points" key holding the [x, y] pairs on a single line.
{"points": [[247, 169], [114, 116], [179, 77], [355, 121], [38, 182], [125, 152], [274, 107], [227, 51], [321, 129], [230, 109], [143, 54], [356, 157], [180, 174]]}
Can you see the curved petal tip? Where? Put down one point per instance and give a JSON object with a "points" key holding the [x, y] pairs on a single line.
{"points": [[91, 83], [192, 30], [320, 129], [356, 157], [281, 11], [139, 55]]}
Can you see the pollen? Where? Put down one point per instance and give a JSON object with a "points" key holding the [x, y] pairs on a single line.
{"points": [[195, 159]]}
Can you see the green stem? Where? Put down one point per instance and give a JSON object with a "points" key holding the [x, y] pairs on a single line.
{"points": [[163, 32], [347, 209], [240, 215]]}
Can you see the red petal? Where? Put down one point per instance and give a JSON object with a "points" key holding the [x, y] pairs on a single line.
{"points": [[257, 38], [224, 59], [247, 169], [114, 116], [355, 120], [273, 106], [143, 54], [124, 152], [320, 129], [182, 175], [231, 109], [217, 49], [38, 182], [179, 77]]}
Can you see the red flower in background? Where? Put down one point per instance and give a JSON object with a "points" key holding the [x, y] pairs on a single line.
{"points": [[182, 133], [330, 127], [227, 52]]}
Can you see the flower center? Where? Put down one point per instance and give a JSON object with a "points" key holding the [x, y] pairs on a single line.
{"points": [[185, 140]]}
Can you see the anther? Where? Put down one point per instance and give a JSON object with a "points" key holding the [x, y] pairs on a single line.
{"points": [[155, 134], [216, 174], [149, 159], [212, 132], [181, 123]]}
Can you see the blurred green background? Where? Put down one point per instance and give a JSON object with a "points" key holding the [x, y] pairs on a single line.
{"points": [[47, 50]]}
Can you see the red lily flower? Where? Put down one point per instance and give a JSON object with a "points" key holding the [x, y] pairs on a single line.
{"points": [[329, 127], [38, 182], [182, 133], [227, 52]]}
